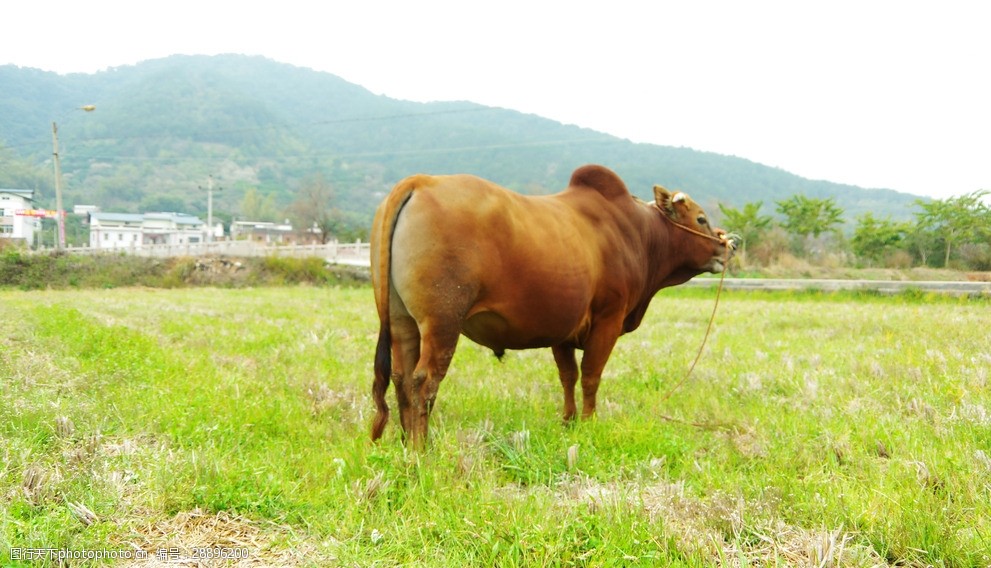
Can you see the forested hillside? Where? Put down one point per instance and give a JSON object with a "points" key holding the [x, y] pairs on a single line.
{"points": [[162, 127]]}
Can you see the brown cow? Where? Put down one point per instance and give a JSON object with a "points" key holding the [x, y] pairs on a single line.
{"points": [[456, 255]]}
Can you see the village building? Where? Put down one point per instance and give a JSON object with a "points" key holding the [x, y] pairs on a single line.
{"points": [[128, 230], [18, 219], [261, 232], [266, 232]]}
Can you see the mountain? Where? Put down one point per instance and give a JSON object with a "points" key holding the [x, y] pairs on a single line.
{"points": [[163, 127]]}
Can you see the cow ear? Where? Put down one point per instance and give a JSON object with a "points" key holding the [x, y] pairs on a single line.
{"points": [[664, 200]]}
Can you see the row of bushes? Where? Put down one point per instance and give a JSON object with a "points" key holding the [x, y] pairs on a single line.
{"points": [[58, 270]]}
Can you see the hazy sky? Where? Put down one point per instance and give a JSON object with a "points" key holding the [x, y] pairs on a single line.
{"points": [[893, 94]]}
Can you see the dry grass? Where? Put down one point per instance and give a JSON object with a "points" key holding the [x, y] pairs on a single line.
{"points": [[199, 539]]}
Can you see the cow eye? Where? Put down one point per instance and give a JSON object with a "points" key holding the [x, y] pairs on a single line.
{"points": [[702, 220]]}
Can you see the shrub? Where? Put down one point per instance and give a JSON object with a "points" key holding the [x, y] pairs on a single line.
{"points": [[771, 247], [900, 259], [309, 270], [976, 256], [60, 270]]}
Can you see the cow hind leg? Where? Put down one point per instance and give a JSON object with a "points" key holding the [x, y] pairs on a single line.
{"points": [[437, 347], [405, 354]]}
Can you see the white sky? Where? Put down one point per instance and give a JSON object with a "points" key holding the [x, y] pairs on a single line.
{"points": [[893, 94]]}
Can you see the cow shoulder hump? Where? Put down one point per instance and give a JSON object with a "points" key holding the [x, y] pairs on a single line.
{"points": [[600, 179]]}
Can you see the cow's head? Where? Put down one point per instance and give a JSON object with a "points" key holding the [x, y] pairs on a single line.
{"points": [[711, 247]]}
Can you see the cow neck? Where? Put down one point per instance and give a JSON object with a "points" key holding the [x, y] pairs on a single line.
{"points": [[660, 269]]}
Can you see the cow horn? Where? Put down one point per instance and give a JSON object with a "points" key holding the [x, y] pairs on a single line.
{"points": [[678, 197]]}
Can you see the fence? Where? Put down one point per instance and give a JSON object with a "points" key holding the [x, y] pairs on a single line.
{"points": [[355, 254]]}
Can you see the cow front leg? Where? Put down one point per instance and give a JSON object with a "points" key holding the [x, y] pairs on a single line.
{"points": [[567, 369], [599, 346]]}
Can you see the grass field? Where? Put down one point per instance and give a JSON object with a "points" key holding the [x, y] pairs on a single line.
{"points": [[817, 430]]}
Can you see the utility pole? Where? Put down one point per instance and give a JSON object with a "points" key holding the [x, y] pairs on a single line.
{"points": [[209, 207], [60, 241]]}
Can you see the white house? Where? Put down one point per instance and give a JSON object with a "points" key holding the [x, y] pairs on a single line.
{"points": [[115, 230], [18, 220], [125, 230], [172, 229]]}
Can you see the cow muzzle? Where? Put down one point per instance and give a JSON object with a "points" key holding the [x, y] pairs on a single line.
{"points": [[732, 241]]}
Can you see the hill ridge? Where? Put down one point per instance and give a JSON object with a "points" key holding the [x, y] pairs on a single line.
{"points": [[164, 125]]}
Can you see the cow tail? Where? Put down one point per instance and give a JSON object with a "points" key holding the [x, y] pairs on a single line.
{"points": [[383, 369], [384, 225]]}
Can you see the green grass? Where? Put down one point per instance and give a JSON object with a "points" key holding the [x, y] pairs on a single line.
{"points": [[829, 429]]}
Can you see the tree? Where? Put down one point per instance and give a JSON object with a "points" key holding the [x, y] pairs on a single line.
{"points": [[808, 217], [163, 203], [18, 173], [874, 238], [256, 207], [955, 221], [348, 227], [748, 223], [312, 208]]}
